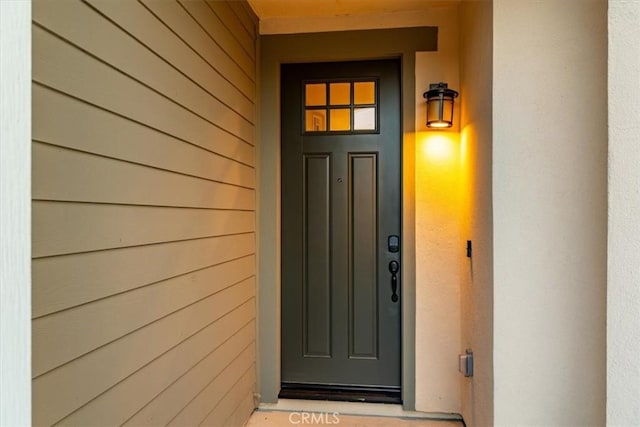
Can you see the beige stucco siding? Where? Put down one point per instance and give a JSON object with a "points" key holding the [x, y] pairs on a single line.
{"points": [[549, 192], [143, 187], [476, 138]]}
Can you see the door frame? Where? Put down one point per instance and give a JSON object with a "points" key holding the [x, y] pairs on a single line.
{"points": [[275, 50]]}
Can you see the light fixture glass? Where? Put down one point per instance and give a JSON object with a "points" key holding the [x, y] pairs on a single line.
{"points": [[440, 100]]}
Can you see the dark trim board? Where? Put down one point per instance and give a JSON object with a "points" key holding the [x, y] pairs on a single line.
{"points": [[340, 393]]}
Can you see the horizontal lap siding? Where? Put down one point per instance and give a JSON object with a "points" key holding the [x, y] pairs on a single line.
{"points": [[143, 217]]}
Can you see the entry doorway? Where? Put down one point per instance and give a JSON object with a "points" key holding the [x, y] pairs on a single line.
{"points": [[341, 222]]}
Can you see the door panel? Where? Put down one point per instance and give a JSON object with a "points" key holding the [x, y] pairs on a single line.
{"points": [[363, 260], [317, 253], [340, 201]]}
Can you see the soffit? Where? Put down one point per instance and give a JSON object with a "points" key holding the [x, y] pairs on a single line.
{"points": [[267, 9]]}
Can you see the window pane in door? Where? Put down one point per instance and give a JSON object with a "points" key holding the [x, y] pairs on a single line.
{"points": [[364, 118], [340, 94], [364, 93], [315, 94], [340, 119], [315, 121]]}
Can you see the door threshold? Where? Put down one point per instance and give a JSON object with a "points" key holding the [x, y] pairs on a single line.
{"points": [[354, 408], [340, 393]]}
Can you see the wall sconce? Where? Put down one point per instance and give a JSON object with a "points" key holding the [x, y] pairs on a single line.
{"points": [[440, 105]]}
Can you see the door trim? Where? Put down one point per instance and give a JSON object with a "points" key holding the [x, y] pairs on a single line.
{"points": [[315, 47]]}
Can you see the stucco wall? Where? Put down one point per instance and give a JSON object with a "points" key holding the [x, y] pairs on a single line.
{"points": [[476, 22], [623, 290], [549, 211], [438, 238]]}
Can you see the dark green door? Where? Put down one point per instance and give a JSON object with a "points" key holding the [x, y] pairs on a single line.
{"points": [[341, 197]]}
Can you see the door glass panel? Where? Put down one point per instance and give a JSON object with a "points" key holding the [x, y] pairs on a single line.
{"points": [[315, 121], [315, 94], [364, 118], [340, 94], [342, 106], [340, 119], [364, 93]]}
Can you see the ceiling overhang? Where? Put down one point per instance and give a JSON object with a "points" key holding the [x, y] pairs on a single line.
{"points": [[300, 16]]}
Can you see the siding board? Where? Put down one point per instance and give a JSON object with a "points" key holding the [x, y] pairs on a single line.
{"points": [[101, 132], [168, 404], [52, 59], [181, 368], [240, 9], [180, 20], [67, 281], [235, 28], [66, 228], [225, 408], [61, 174], [64, 336], [143, 201], [61, 391], [185, 46], [241, 414], [73, 20], [216, 397]]}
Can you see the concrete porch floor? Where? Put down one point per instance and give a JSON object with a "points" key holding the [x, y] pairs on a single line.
{"points": [[266, 418]]}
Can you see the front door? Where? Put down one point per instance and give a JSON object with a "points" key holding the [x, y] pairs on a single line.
{"points": [[341, 192]]}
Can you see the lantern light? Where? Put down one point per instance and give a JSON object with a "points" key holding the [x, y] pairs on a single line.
{"points": [[440, 105]]}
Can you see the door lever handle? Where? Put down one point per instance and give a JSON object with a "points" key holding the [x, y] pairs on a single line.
{"points": [[393, 269]]}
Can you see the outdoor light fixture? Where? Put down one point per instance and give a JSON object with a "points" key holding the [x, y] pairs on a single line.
{"points": [[440, 105]]}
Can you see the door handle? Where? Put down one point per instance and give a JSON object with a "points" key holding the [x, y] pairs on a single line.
{"points": [[393, 269]]}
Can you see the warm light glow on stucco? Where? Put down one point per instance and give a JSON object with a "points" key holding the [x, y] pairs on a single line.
{"points": [[466, 179], [438, 177], [439, 147]]}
